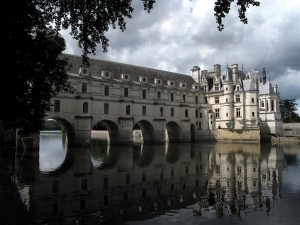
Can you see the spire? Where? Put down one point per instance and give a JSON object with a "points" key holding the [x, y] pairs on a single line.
{"points": [[264, 75]]}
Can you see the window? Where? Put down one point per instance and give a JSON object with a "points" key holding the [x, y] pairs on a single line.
{"points": [[200, 115], [56, 105], [226, 99], [172, 97], [237, 98], [125, 92], [85, 108], [106, 90], [172, 112], [252, 100], [217, 113], [199, 125], [217, 87], [84, 184], [267, 102], [204, 88], [144, 110], [186, 112], [84, 88], [161, 111], [206, 100], [106, 108], [272, 105], [226, 114], [253, 114], [158, 95], [127, 109], [238, 112], [196, 99], [196, 113], [237, 88], [216, 100], [262, 104], [183, 98]]}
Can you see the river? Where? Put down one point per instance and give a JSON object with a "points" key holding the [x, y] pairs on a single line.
{"points": [[186, 183]]}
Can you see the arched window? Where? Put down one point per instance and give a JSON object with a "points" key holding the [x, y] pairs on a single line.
{"points": [[128, 110], [85, 107]]}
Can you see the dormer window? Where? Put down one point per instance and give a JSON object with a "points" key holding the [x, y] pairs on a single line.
{"points": [[217, 87], [125, 77], [171, 83], [158, 81], [83, 71], [106, 74], [182, 85], [195, 87], [237, 88], [143, 79]]}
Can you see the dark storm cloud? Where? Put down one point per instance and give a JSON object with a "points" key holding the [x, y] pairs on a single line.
{"points": [[179, 34]]}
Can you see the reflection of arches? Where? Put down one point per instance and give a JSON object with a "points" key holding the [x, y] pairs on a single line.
{"points": [[108, 154], [173, 132], [147, 131], [172, 153], [146, 155], [113, 136]]}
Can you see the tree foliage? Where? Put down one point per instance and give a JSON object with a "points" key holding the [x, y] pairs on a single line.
{"points": [[288, 110], [222, 7], [32, 69]]}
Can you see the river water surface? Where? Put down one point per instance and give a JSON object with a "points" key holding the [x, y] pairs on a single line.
{"points": [[198, 183]]}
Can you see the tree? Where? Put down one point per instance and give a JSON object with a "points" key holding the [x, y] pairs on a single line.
{"points": [[31, 42], [288, 110], [222, 7]]}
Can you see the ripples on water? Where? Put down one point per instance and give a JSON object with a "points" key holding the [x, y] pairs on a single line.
{"points": [[160, 184]]}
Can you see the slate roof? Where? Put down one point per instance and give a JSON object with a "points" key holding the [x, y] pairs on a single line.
{"points": [[117, 69], [266, 88], [249, 85]]}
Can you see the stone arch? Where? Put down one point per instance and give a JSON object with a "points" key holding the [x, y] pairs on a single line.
{"points": [[146, 131], [172, 132], [68, 129], [113, 132]]}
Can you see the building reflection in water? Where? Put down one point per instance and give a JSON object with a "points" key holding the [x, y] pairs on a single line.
{"points": [[105, 183]]}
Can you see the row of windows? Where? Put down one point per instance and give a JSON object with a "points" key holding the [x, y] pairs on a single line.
{"points": [[262, 104], [237, 99], [237, 113], [128, 109], [144, 93]]}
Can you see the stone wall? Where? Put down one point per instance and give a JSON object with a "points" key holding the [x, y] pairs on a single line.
{"points": [[291, 129]]}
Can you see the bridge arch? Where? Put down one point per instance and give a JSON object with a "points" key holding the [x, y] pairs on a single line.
{"points": [[113, 132], [146, 131], [68, 129], [172, 132]]}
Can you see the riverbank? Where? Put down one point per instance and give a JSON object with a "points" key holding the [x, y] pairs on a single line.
{"points": [[12, 210]]}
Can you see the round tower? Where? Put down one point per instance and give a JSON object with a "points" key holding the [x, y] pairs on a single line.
{"points": [[228, 98]]}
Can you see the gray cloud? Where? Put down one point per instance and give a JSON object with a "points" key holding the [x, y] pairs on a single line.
{"points": [[179, 34]]}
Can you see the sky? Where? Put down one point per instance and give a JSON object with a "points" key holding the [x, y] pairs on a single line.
{"points": [[179, 34]]}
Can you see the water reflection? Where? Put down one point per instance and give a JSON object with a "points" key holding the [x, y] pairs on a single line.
{"points": [[136, 183]]}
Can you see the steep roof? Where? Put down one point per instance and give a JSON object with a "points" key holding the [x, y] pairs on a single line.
{"points": [[266, 88], [249, 85], [117, 69]]}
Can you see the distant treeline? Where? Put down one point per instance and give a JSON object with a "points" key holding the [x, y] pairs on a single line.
{"points": [[51, 125]]}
